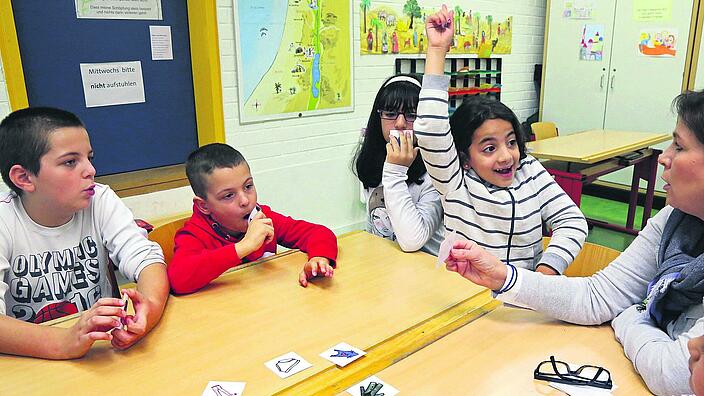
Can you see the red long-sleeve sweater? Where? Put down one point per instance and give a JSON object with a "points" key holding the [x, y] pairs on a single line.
{"points": [[201, 254]]}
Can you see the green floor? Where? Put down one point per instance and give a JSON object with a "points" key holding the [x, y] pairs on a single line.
{"points": [[612, 212]]}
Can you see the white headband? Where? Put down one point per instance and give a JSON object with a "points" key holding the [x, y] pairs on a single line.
{"points": [[402, 78]]}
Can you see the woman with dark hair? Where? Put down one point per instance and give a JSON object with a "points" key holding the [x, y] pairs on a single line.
{"points": [[401, 201], [652, 292]]}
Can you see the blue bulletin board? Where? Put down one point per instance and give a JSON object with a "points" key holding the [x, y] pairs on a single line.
{"points": [[53, 43]]}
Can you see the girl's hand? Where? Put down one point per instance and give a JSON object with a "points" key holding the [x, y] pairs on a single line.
{"points": [[545, 269], [440, 28], [401, 153]]}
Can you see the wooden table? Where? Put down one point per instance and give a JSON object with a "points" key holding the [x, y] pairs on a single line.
{"points": [[382, 300], [580, 158], [496, 355]]}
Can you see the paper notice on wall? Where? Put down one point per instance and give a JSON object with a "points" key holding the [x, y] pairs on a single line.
{"points": [[162, 47], [114, 83], [578, 9], [652, 10], [119, 9]]}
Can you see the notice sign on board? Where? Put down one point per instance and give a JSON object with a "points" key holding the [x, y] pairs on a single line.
{"points": [[119, 9], [115, 83]]}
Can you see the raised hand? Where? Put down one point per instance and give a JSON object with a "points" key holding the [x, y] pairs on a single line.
{"points": [[440, 29]]}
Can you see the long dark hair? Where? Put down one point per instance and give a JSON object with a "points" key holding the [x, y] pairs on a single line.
{"points": [[369, 158], [471, 115]]}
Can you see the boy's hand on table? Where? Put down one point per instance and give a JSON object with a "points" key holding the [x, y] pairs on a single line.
{"points": [[476, 264], [316, 266], [137, 324], [93, 325]]}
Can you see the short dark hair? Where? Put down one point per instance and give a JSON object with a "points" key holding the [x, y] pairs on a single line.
{"points": [[24, 138], [368, 161], [689, 106], [203, 161], [472, 113]]}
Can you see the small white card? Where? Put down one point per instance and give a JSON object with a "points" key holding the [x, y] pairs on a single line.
{"points": [[372, 386], [580, 390], [287, 365], [343, 354], [221, 388], [446, 248]]}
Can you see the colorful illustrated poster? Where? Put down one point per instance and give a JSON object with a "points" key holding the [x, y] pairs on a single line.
{"points": [[578, 9], [652, 10], [658, 42], [591, 46], [391, 29], [294, 58]]}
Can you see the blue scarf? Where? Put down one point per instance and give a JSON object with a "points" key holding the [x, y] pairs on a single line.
{"points": [[679, 283]]}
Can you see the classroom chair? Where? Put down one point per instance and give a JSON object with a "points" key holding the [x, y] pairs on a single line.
{"points": [[590, 260], [164, 236], [544, 130]]}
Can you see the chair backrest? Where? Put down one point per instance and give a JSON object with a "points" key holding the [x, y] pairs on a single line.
{"points": [[590, 260], [544, 130], [164, 236]]}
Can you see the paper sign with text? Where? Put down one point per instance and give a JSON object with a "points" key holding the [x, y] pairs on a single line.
{"points": [[115, 83]]}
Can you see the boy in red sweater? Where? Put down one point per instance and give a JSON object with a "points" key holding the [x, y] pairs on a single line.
{"points": [[220, 234]]}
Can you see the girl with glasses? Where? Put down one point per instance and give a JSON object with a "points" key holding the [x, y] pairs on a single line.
{"points": [[402, 204]]}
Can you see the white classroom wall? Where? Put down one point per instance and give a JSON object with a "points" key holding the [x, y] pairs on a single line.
{"points": [[699, 77], [302, 166]]}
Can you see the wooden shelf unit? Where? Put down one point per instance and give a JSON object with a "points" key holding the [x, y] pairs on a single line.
{"points": [[468, 76]]}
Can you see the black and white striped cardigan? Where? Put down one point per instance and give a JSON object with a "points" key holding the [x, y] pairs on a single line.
{"points": [[507, 221]]}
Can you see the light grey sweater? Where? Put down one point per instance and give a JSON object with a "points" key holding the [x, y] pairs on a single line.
{"points": [[660, 357], [410, 214]]}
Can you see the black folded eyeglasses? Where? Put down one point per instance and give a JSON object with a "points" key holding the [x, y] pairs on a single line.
{"points": [[557, 371]]}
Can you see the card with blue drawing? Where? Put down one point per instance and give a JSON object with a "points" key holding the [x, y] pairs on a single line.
{"points": [[343, 354], [222, 388], [287, 365], [372, 386]]}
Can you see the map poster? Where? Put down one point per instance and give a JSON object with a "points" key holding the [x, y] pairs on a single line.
{"points": [[294, 58]]}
